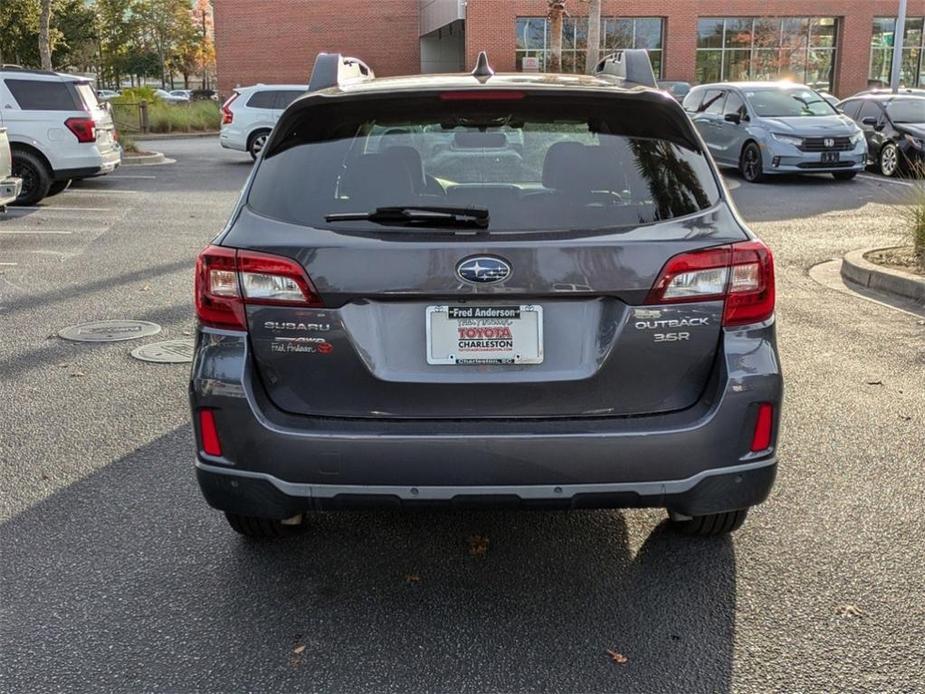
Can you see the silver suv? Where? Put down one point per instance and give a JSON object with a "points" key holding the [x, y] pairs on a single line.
{"points": [[766, 128], [250, 113]]}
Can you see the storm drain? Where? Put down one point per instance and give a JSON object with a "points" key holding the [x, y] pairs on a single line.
{"points": [[110, 331], [166, 352]]}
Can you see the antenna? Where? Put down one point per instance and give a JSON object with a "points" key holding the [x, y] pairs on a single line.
{"points": [[335, 70], [631, 67], [482, 69]]}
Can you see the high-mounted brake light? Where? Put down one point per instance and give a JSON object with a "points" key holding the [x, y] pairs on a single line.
{"points": [[83, 128], [742, 274], [227, 280], [482, 95], [227, 113]]}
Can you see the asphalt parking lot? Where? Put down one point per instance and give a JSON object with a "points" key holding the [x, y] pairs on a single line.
{"points": [[115, 575]]}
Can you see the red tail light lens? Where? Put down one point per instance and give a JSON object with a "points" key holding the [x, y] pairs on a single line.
{"points": [[227, 114], [764, 425], [209, 434], [83, 128], [227, 280], [741, 273]]}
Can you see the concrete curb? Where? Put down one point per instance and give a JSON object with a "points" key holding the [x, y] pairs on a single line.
{"points": [[142, 137], [859, 270], [143, 159]]}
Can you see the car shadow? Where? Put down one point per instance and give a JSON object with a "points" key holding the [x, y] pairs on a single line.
{"points": [[126, 580]]}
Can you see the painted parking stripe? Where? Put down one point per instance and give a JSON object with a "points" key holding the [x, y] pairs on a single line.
{"points": [[116, 178], [43, 231], [102, 191], [14, 210], [884, 179]]}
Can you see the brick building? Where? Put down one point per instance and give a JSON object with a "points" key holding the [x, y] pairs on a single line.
{"points": [[837, 45]]}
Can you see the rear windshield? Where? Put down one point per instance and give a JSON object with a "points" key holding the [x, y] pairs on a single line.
{"points": [[788, 103], [536, 163], [87, 95], [43, 95]]}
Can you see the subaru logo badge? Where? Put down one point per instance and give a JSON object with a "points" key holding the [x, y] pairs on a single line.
{"points": [[483, 269], [829, 142]]}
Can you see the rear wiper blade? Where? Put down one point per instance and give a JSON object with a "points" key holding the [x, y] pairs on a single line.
{"points": [[425, 216]]}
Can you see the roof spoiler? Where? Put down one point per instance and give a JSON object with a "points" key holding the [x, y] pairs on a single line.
{"points": [[630, 66], [335, 70]]}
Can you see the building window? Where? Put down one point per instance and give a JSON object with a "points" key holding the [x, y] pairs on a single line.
{"points": [[766, 48], [616, 33], [881, 51]]}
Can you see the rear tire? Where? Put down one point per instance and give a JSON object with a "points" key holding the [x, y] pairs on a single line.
{"points": [[750, 165], [711, 525], [262, 528], [36, 178], [844, 175], [59, 187], [256, 142]]}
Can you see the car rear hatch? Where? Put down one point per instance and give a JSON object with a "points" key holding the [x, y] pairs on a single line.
{"points": [[101, 115], [551, 308]]}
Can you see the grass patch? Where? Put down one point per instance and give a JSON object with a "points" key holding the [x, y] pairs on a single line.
{"points": [[194, 116], [914, 215]]}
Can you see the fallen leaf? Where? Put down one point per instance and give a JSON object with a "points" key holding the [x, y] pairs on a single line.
{"points": [[45, 477], [875, 383], [77, 374], [298, 649], [616, 657], [478, 545], [905, 417], [412, 578], [849, 611]]}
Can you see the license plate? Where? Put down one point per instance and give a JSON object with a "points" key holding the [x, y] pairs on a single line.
{"points": [[485, 334], [830, 157]]}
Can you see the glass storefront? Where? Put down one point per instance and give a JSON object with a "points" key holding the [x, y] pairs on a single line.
{"points": [[881, 51], [639, 32], [767, 48]]}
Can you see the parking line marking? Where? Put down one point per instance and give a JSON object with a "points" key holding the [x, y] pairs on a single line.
{"points": [[102, 191], [24, 209], [9, 264], [884, 179], [131, 176], [43, 231]]}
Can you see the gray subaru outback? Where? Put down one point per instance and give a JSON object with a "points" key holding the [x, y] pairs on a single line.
{"points": [[483, 288]]}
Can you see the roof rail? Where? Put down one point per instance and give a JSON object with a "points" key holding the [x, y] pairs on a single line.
{"points": [[8, 67], [630, 66], [334, 69]]}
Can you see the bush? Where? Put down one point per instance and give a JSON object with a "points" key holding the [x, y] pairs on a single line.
{"points": [[164, 118], [914, 214]]}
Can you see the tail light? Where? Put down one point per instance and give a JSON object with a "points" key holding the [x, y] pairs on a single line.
{"points": [[741, 274], [227, 280], [83, 128], [227, 114], [208, 433]]}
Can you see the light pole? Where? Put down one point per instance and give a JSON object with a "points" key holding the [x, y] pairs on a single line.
{"points": [[898, 34]]}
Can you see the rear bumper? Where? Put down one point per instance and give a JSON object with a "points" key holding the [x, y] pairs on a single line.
{"points": [[9, 189], [693, 461], [711, 491]]}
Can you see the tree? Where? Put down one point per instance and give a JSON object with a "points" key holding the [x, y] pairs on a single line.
{"points": [[555, 14], [19, 26], [45, 35], [594, 35]]}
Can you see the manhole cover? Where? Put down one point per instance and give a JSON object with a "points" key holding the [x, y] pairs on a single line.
{"points": [[110, 331], [167, 352]]}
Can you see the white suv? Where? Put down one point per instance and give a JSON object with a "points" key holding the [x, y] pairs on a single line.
{"points": [[57, 128], [251, 112]]}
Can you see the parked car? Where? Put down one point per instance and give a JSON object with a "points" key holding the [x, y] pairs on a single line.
{"points": [[677, 89], [766, 128], [905, 91], [203, 95], [170, 97], [58, 131], [9, 186], [107, 94], [184, 94], [250, 113], [895, 129], [597, 332], [830, 99]]}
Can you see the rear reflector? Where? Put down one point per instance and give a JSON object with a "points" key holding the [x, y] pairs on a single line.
{"points": [[740, 274], [209, 434], [482, 95], [227, 280], [84, 128], [761, 439]]}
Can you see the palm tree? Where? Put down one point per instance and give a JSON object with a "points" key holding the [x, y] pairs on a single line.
{"points": [[555, 14], [594, 35]]}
